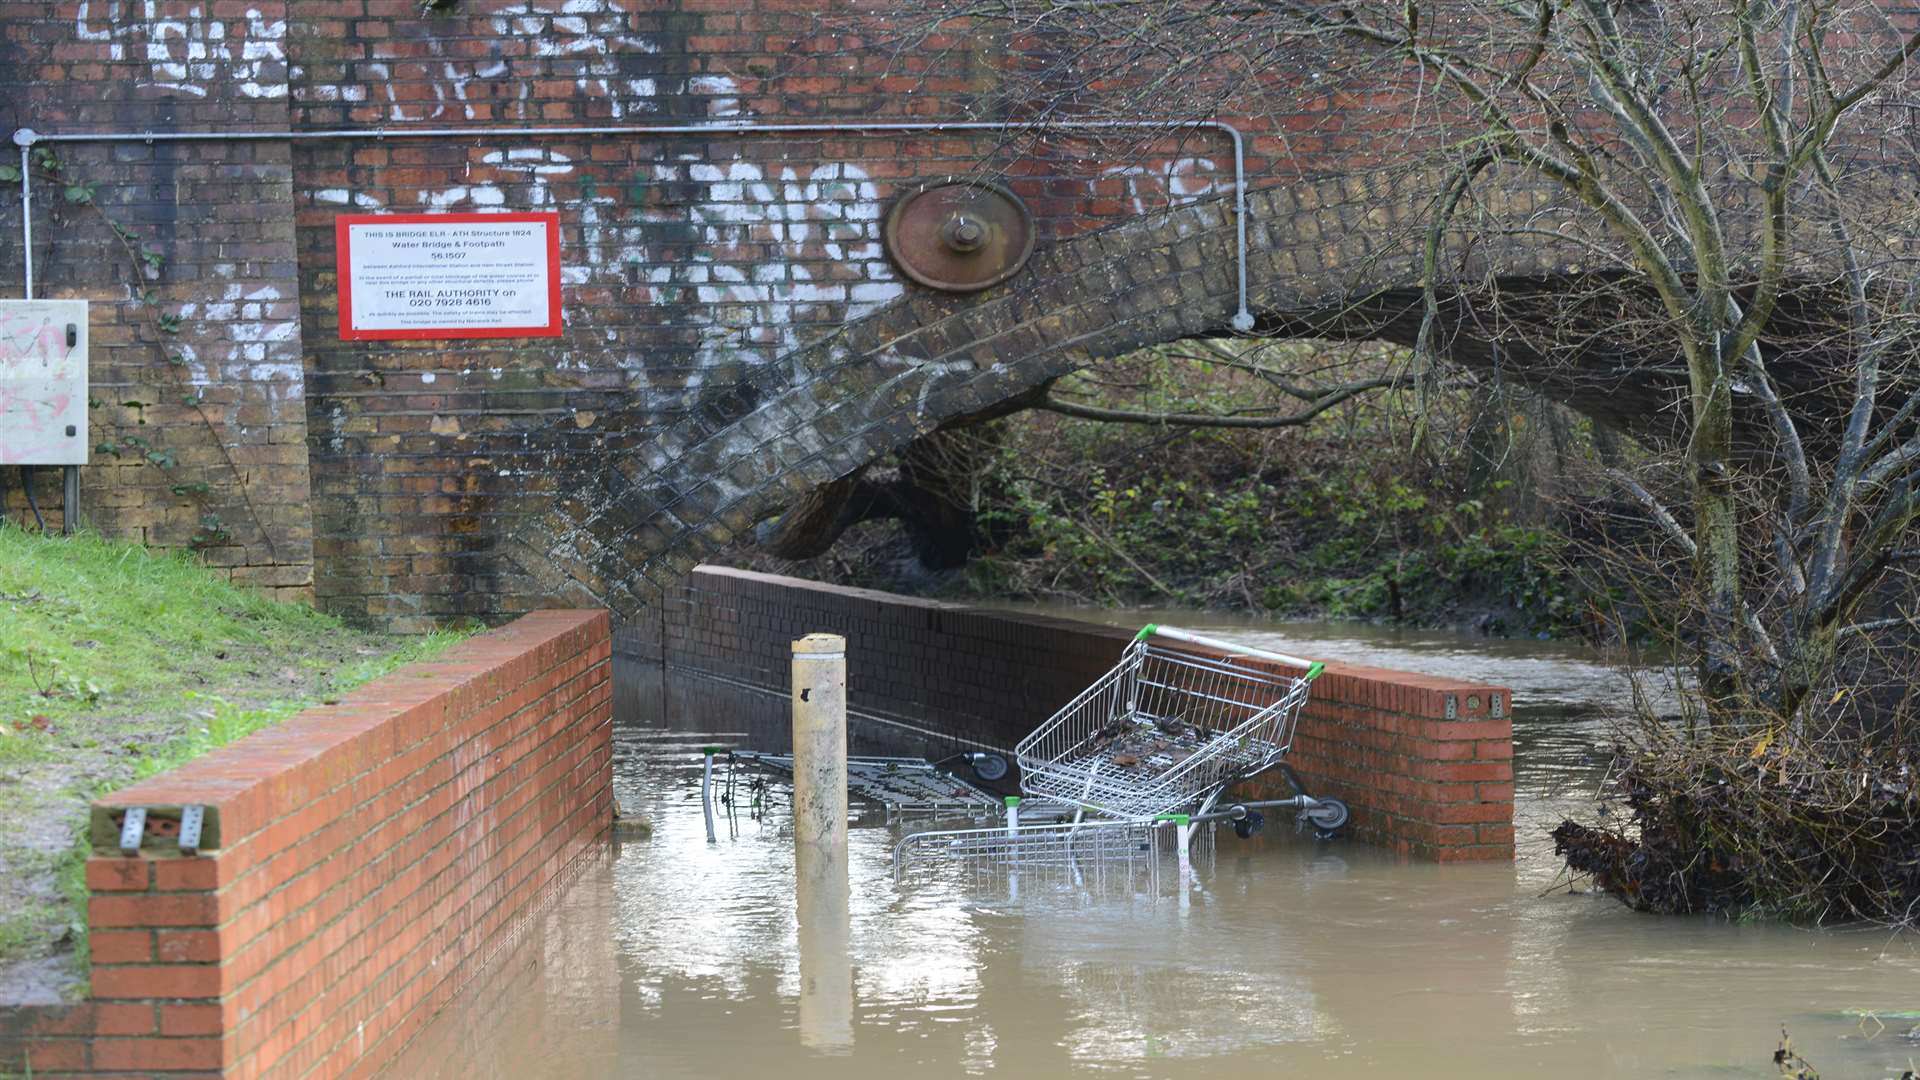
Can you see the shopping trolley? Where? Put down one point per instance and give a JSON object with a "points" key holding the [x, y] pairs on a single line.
{"points": [[1167, 730], [1148, 750]]}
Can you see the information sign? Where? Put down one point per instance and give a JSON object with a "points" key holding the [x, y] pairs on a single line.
{"points": [[448, 275]]}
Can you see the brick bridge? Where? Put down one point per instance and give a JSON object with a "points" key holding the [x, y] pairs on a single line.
{"points": [[734, 333]]}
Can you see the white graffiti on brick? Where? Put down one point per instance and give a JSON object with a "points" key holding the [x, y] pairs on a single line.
{"points": [[589, 42], [261, 345], [759, 237], [342, 197], [187, 49], [1170, 183]]}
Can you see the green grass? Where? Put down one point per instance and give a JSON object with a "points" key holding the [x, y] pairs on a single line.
{"points": [[85, 620], [222, 722], [117, 663]]}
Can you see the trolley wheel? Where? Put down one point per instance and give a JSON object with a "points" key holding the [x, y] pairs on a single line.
{"points": [[1247, 826], [1328, 817], [988, 767]]}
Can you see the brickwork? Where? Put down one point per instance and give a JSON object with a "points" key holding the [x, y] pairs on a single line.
{"points": [[734, 332], [361, 862], [626, 526], [1425, 762], [693, 262], [221, 217]]}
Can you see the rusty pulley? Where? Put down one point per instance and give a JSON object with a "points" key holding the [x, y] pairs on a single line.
{"points": [[959, 235]]}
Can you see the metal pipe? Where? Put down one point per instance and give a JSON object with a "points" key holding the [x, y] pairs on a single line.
{"points": [[26, 208], [33, 504], [706, 789], [1242, 321], [69, 499]]}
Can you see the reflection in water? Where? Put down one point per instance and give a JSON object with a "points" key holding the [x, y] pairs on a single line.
{"points": [[673, 958], [825, 929]]}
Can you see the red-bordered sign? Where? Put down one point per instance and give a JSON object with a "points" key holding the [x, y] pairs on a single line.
{"points": [[448, 275]]}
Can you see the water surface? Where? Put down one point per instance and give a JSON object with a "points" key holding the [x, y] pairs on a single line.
{"points": [[670, 957]]}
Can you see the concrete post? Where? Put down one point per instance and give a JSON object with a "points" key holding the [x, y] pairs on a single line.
{"points": [[820, 743], [820, 841]]}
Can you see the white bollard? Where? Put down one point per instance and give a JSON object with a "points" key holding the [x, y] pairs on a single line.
{"points": [[820, 743], [820, 841]]}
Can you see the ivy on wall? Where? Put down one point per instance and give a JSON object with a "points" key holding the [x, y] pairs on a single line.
{"points": [[146, 263]]}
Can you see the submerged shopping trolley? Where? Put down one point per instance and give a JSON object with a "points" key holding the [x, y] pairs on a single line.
{"points": [[1155, 742], [1168, 729]]}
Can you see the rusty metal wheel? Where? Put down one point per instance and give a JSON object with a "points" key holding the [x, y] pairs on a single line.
{"points": [[959, 235]]}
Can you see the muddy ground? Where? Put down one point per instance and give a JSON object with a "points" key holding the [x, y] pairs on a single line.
{"points": [[47, 792]]}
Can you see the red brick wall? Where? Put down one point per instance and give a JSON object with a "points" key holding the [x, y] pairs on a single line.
{"points": [[1425, 762], [230, 416], [362, 860], [690, 259]]}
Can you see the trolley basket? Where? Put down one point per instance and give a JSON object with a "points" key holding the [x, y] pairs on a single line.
{"points": [[1166, 729]]}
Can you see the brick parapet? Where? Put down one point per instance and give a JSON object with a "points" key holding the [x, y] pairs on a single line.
{"points": [[363, 860], [1425, 762]]}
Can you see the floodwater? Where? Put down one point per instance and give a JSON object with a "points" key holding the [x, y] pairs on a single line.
{"points": [[1278, 956]]}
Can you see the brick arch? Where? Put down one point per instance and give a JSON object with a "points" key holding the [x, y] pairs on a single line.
{"points": [[1337, 256]]}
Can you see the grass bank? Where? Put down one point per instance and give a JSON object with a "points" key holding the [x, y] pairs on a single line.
{"points": [[117, 663]]}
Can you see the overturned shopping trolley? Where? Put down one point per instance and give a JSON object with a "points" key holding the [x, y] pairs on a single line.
{"points": [[1156, 739], [907, 786], [1126, 853]]}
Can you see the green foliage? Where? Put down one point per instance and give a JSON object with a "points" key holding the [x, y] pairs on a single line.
{"points": [[212, 533], [219, 722], [1339, 519], [1343, 516]]}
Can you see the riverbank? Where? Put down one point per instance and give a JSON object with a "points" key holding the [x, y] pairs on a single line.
{"points": [[1355, 517], [115, 664]]}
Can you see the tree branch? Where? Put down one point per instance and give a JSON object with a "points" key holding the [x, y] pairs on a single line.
{"points": [[1205, 420]]}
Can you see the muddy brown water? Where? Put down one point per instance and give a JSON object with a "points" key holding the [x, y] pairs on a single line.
{"points": [[670, 957]]}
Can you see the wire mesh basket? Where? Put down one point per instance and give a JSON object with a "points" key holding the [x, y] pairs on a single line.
{"points": [[1167, 728], [1100, 853]]}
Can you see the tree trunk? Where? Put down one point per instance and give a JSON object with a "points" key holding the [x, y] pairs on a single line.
{"points": [[1717, 533]]}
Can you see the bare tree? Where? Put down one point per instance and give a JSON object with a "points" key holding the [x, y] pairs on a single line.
{"points": [[1734, 179]]}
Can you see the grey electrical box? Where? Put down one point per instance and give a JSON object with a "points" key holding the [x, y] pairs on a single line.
{"points": [[43, 382]]}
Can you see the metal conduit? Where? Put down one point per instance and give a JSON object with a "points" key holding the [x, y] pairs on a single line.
{"points": [[27, 138]]}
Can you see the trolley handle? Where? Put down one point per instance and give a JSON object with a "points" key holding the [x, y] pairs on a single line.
{"points": [[1314, 667]]}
